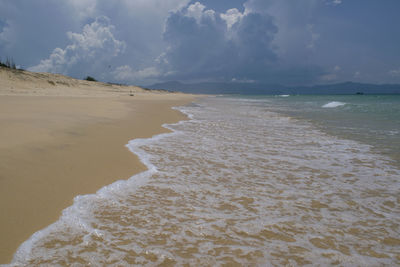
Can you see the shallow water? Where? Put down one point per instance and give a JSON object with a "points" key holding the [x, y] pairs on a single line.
{"points": [[238, 183], [370, 119]]}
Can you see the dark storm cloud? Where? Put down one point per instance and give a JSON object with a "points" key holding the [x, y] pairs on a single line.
{"points": [[136, 41], [206, 45]]}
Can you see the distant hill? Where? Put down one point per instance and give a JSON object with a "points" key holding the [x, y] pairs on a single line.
{"points": [[275, 89]]}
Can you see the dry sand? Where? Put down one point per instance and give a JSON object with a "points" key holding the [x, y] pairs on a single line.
{"points": [[61, 137]]}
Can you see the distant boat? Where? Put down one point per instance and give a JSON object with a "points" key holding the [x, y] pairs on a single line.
{"points": [[359, 93]]}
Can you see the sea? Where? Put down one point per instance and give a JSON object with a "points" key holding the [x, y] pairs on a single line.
{"points": [[246, 181]]}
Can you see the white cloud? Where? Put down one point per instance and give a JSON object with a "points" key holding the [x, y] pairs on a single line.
{"points": [[230, 45], [333, 2], [336, 2], [328, 77], [95, 44], [97, 35], [195, 11], [231, 17], [234, 80], [261, 6], [56, 63], [203, 44], [84, 8], [313, 36], [266, 37], [43, 24], [298, 33], [198, 11], [332, 76], [126, 73], [8, 34], [395, 73], [206, 42]]}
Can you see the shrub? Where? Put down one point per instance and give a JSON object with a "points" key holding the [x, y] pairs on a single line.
{"points": [[9, 63], [91, 79]]}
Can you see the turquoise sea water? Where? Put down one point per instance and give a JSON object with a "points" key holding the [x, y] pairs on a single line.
{"points": [[370, 119]]}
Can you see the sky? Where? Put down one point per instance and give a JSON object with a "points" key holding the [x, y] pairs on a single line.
{"points": [[288, 42]]}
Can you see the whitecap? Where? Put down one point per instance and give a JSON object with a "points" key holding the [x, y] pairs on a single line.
{"points": [[334, 104]]}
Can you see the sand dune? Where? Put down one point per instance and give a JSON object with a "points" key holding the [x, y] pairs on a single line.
{"points": [[19, 82]]}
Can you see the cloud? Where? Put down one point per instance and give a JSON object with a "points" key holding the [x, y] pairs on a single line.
{"points": [[33, 28], [234, 80], [196, 42], [84, 8], [196, 11], [332, 74], [167, 39], [205, 44], [231, 17], [283, 41], [395, 73], [96, 36], [43, 24], [56, 63], [313, 36], [337, 68], [297, 40], [334, 2], [7, 36], [126, 73], [328, 77], [93, 46]]}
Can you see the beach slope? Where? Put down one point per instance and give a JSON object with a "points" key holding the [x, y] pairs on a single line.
{"points": [[61, 137]]}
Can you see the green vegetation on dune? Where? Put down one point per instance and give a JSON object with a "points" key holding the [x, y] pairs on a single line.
{"points": [[91, 79], [9, 63]]}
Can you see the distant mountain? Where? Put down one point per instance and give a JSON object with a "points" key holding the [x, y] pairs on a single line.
{"points": [[220, 88], [350, 88], [275, 89]]}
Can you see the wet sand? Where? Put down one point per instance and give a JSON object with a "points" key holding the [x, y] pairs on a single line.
{"points": [[53, 148]]}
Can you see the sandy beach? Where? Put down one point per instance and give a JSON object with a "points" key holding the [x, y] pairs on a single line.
{"points": [[62, 137]]}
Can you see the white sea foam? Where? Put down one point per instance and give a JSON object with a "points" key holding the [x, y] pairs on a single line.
{"points": [[236, 184], [333, 104], [284, 95]]}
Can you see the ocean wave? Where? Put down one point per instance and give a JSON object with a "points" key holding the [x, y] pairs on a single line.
{"points": [[334, 104]]}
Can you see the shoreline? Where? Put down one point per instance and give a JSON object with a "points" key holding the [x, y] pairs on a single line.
{"points": [[62, 147]]}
